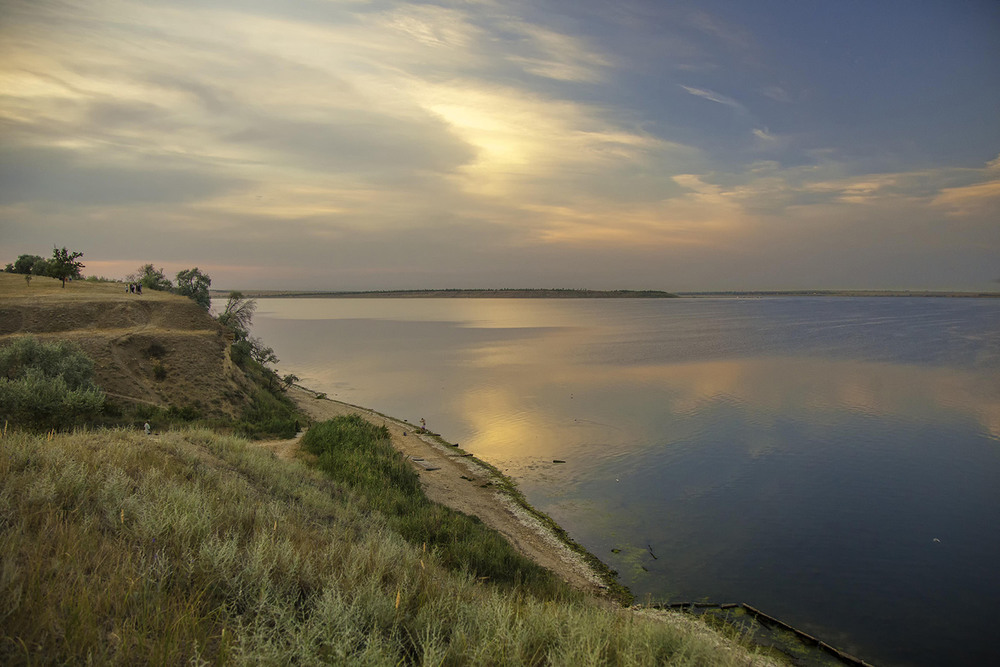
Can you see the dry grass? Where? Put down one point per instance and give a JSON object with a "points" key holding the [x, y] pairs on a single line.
{"points": [[191, 547]]}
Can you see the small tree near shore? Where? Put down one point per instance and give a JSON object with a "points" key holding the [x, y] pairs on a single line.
{"points": [[194, 284]]}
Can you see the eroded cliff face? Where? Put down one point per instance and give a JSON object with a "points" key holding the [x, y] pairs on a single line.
{"points": [[156, 348]]}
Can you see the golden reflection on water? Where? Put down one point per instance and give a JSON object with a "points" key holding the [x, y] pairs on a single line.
{"points": [[506, 424]]}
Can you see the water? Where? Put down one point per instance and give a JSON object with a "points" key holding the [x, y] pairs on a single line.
{"points": [[832, 461]]}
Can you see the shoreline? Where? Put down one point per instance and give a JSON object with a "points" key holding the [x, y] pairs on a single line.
{"points": [[601, 294], [457, 479]]}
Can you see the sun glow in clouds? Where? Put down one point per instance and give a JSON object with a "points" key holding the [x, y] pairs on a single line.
{"points": [[439, 141]]}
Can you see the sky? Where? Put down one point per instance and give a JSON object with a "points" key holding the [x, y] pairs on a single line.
{"points": [[636, 144]]}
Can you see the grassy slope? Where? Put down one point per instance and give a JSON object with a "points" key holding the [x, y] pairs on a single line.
{"points": [[189, 546], [121, 549]]}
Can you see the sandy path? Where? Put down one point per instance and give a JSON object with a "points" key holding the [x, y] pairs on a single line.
{"points": [[460, 483]]}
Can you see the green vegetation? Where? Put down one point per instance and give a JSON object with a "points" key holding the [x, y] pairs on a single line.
{"points": [[194, 284], [270, 413], [150, 278], [33, 265], [358, 454], [47, 385], [192, 547], [63, 265]]}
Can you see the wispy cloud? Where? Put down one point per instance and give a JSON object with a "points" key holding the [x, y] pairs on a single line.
{"points": [[713, 96], [464, 129]]}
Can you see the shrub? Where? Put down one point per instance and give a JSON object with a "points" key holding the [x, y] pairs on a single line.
{"points": [[156, 350], [268, 416], [187, 413], [47, 385]]}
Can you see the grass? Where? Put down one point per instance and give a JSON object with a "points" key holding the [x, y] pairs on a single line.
{"points": [[359, 454], [196, 547]]}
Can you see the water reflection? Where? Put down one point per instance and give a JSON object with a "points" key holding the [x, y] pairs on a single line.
{"points": [[800, 454]]}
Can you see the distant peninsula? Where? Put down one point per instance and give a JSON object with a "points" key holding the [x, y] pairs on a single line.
{"points": [[459, 294]]}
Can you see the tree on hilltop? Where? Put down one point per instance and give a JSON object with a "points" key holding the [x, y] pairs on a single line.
{"points": [[29, 265], [24, 264], [151, 278], [65, 265], [194, 284]]}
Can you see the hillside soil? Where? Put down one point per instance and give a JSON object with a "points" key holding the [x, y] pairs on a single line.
{"points": [[155, 348]]}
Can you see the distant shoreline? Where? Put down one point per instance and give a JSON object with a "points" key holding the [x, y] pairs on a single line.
{"points": [[457, 294], [844, 293], [588, 294]]}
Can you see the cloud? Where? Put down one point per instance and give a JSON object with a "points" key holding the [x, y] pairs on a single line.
{"points": [[555, 55], [778, 94], [433, 139], [714, 97], [982, 198], [63, 176]]}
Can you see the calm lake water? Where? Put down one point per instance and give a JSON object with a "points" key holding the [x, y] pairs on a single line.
{"points": [[834, 462]]}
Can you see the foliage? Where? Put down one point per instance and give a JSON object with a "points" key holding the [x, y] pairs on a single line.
{"points": [[268, 415], [65, 265], [194, 284], [25, 265], [151, 278], [47, 385], [261, 353], [238, 318], [358, 453], [289, 380], [238, 315]]}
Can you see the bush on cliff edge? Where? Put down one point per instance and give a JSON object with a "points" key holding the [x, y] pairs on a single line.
{"points": [[47, 385]]}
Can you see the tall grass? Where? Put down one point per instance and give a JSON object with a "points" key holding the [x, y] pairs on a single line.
{"points": [[191, 547], [359, 454]]}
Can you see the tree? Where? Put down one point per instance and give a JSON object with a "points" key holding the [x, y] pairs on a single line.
{"points": [[64, 264], [24, 264], [151, 278], [193, 283], [262, 354], [238, 315], [41, 267]]}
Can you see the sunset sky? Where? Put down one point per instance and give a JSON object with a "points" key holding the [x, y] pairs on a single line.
{"points": [[324, 144]]}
